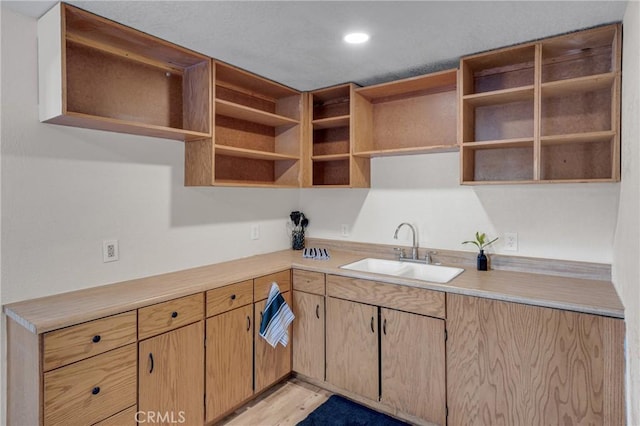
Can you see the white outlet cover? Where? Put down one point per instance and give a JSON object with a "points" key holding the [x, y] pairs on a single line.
{"points": [[255, 231], [344, 230], [110, 251], [510, 241]]}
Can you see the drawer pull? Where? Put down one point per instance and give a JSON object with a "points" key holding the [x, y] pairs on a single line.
{"points": [[318, 311], [152, 363], [248, 323], [384, 327], [95, 390], [372, 330], [233, 297], [96, 338], [174, 314]]}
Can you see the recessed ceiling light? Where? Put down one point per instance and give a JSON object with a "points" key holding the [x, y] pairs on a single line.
{"points": [[356, 38]]}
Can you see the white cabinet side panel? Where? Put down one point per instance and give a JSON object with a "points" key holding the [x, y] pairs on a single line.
{"points": [[50, 64]]}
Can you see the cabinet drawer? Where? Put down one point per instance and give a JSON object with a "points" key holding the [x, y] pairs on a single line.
{"points": [[229, 297], [405, 298], [123, 418], [262, 285], [71, 344], [308, 281], [92, 389], [168, 315]]}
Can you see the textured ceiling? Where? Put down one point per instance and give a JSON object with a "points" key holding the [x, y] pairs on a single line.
{"points": [[299, 43]]}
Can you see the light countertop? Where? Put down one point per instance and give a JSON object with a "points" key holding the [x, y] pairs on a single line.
{"points": [[61, 310]]}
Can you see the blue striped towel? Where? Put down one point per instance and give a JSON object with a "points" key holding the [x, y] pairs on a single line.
{"points": [[276, 318]]}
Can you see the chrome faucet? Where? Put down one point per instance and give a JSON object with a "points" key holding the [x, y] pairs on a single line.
{"points": [[414, 248]]}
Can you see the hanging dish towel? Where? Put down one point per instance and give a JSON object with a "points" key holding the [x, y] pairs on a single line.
{"points": [[276, 318]]}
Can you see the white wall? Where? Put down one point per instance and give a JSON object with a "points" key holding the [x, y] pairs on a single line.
{"points": [[567, 221], [626, 255], [64, 190]]}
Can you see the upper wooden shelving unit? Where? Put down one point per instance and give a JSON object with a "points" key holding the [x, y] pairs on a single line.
{"points": [[546, 111], [543, 112], [332, 127], [98, 74], [256, 137], [411, 116]]}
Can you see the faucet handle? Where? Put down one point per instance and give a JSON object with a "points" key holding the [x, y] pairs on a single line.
{"points": [[400, 251]]}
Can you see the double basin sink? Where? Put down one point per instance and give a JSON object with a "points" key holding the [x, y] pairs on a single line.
{"points": [[417, 271]]}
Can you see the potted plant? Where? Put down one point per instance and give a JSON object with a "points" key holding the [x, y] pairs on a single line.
{"points": [[298, 224], [481, 243]]}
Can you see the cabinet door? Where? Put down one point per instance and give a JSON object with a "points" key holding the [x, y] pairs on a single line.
{"points": [[413, 365], [308, 329], [352, 347], [229, 360], [170, 376], [509, 363], [272, 364]]}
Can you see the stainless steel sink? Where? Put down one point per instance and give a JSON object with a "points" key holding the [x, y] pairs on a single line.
{"points": [[416, 271]]}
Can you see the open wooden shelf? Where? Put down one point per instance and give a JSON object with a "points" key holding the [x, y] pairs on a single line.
{"points": [[578, 138], [253, 115], [578, 85], [331, 122], [499, 96], [329, 157], [99, 74], [257, 134], [410, 116], [585, 53], [502, 69], [333, 125], [252, 153], [391, 152], [504, 143], [543, 112]]}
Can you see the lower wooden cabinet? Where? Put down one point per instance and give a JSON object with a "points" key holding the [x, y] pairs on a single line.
{"points": [[412, 352], [352, 347], [271, 364], [398, 360], [229, 361], [509, 363], [308, 334], [170, 377], [90, 390]]}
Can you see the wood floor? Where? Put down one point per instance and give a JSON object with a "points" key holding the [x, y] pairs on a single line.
{"points": [[285, 404]]}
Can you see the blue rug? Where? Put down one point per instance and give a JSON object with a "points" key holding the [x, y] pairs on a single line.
{"points": [[338, 411]]}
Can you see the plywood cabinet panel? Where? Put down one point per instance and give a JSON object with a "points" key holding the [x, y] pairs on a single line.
{"points": [[162, 317], [271, 364], [262, 285], [70, 344], [517, 364], [170, 375], [308, 334], [412, 363], [229, 361], [92, 389], [352, 347], [308, 281], [229, 297]]}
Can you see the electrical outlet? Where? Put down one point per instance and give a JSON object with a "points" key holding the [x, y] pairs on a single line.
{"points": [[510, 241], [344, 230], [110, 251], [255, 231]]}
